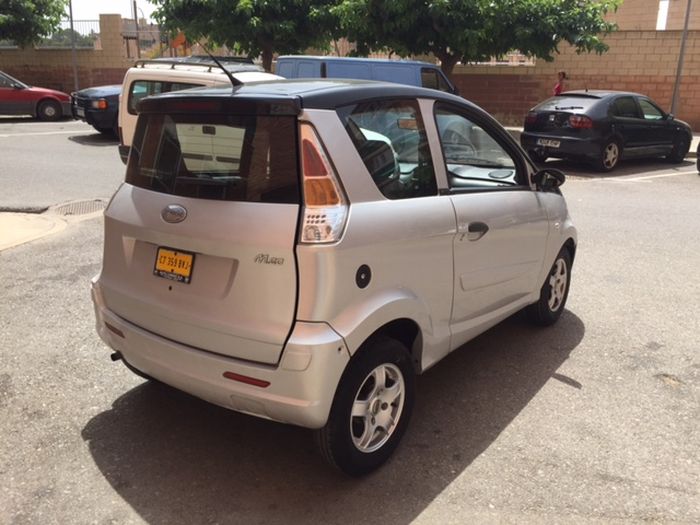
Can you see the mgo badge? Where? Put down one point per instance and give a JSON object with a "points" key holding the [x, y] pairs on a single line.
{"points": [[174, 213]]}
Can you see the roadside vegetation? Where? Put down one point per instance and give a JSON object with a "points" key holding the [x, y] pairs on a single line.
{"points": [[451, 30]]}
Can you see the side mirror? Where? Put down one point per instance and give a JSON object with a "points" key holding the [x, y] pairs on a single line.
{"points": [[17, 86], [549, 179], [670, 116]]}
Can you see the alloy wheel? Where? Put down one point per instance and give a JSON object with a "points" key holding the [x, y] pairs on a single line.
{"points": [[557, 285], [377, 408]]}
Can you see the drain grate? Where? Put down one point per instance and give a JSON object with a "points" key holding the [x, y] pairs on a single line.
{"points": [[80, 207]]}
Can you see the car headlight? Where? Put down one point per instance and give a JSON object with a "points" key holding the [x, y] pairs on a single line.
{"points": [[99, 104]]}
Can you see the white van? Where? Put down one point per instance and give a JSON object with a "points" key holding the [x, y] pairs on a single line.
{"points": [[151, 77]]}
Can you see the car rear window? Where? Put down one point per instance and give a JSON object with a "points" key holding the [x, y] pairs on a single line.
{"points": [[220, 157]]}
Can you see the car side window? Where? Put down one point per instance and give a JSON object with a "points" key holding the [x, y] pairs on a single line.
{"points": [[145, 88], [650, 111], [625, 107], [391, 139], [5, 82], [430, 78], [474, 159]]}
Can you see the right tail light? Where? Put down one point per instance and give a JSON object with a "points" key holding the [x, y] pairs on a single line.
{"points": [[325, 204]]}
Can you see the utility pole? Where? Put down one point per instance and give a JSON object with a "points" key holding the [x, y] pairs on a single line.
{"points": [[136, 23], [681, 57], [74, 56]]}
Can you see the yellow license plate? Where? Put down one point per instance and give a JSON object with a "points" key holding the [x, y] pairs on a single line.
{"points": [[175, 265]]}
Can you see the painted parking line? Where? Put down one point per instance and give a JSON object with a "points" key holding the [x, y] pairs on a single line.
{"points": [[650, 177], [36, 133]]}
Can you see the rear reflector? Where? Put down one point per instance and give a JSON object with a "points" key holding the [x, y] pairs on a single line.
{"points": [[115, 330], [247, 380]]}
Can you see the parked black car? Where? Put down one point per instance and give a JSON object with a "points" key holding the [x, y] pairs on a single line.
{"points": [[603, 127], [98, 106]]}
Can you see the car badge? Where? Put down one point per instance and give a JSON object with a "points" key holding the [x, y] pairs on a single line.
{"points": [[173, 213]]}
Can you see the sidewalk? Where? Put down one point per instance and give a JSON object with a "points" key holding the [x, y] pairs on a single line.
{"points": [[18, 228]]}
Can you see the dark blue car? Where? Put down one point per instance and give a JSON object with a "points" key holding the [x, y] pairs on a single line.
{"points": [[602, 128], [98, 106]]}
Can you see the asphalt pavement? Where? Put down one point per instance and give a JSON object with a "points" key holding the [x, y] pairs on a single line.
{"points": [[591, 421]]}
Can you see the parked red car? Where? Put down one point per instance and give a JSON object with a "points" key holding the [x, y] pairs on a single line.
{"points": [[18, 98]]}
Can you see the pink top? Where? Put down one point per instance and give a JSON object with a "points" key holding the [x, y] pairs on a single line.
{"points": [[558, 88]]}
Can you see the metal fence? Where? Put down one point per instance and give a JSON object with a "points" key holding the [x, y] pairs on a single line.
{"points": [[86, 32]]}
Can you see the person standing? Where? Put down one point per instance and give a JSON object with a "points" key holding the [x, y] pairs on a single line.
{"points": [[559, 86]]}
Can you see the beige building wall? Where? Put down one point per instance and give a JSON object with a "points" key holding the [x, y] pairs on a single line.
{"points": [[676, 15], [636, 15]]}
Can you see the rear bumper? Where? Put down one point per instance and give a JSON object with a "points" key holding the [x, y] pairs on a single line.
{"points": [[301, 387], [569, 147]]}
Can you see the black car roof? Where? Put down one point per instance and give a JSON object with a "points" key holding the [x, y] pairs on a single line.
{"points": [[308, 93]]}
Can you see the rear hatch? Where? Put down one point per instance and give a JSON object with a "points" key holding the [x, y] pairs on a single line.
{"points": [[562, 114], [199, 241]]}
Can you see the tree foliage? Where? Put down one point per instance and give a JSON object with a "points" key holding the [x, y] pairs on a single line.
{"points": [[253, 27], [474, 30], [26, 22]]}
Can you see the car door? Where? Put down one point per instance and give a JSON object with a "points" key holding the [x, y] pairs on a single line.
{"points": [[658, 133], [502, 224], [13, 99], [628, 123]]}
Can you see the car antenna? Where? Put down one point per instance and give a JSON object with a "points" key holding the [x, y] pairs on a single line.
{"points": [[234, 81]]}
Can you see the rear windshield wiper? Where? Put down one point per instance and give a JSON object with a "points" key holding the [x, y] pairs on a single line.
{"points": [[568, 107]]}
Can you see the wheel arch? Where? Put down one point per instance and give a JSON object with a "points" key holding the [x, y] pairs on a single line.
{"points": [[404, 330], [47, 98]]}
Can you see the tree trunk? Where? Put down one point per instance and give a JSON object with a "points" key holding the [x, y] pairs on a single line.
{"points": [[267, 58], [447, 64]]}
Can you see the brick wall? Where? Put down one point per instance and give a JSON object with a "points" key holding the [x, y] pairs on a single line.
{"points": [[53, 68], [640, 61]]}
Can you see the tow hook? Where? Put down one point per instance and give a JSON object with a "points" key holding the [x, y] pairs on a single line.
{"points": [[116, 356]]}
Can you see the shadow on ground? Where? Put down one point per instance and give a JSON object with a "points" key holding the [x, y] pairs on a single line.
{"points": [[176, 459], [95, 139]]}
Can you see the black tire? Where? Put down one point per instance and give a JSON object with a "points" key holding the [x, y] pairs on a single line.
{"points": [[609, 156], [681, 146], [341, 440], [49, 110], [537, 157], [554, 292]]}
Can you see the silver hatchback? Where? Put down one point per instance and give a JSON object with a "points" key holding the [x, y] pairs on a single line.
{"points": [[300, 250]]}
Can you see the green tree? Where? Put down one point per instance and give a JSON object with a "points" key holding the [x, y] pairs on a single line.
{"points": [[26, 22], [474, 30], [62, 38], [253, 27]]}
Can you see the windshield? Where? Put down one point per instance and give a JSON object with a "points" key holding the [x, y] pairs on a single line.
{"points": [[221, 157]]}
